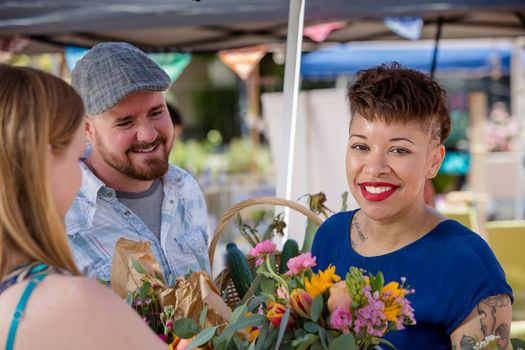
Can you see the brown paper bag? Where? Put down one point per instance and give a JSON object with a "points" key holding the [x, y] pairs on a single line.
{"points": [[124, 277], [188, 296]]}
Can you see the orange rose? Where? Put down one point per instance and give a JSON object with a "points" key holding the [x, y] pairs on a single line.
{"points": [[339, 297]]}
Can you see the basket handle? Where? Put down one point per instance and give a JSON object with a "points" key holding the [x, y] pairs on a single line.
{"points": [[255, 201]]}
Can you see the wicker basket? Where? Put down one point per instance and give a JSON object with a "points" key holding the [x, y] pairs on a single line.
{"points": [[223, 281]]}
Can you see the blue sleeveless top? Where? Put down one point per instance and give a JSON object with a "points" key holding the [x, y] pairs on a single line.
{"points": [[35, 272], [451, 269]]}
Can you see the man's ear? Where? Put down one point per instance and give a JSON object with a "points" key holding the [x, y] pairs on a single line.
{"points": [[438, 154], [89, 128]]}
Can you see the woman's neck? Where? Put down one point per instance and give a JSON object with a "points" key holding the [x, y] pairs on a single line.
{"points": [[385, 236], [12, 263]]}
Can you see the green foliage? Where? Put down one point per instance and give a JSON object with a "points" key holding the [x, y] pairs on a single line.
{"points": [[136, 265], [236, 158], [202, 338], [185, 328], [242, 157], [290, 250], [343, 342], [317, 307]]}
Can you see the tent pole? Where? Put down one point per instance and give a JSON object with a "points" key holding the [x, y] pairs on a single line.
{"points": [[436, 47], [518, 111], [294, 43]]}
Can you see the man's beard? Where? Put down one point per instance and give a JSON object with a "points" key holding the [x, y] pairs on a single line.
{"points": [[154, 168]]}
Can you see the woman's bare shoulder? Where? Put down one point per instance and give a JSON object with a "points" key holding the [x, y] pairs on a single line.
{"points": [[83, 312]]}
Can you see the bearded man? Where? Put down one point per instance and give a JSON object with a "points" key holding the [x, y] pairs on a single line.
{"points": [[129, 189]]}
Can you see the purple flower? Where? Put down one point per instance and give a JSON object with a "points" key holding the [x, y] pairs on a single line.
{"points": [[371, 316]]}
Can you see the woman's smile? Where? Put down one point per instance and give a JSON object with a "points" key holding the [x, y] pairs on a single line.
{"points": [[377, 191]]}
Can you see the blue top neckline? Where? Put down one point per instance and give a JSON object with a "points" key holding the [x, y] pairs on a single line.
{"points": [[397, 251]]}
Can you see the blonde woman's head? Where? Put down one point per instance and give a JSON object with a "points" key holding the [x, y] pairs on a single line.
{"points": [[42, 139]]}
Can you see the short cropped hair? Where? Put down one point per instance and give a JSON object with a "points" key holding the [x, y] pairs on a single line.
{"points": [[395, 94]]}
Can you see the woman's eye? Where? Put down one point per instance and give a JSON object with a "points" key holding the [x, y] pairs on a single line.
{"points": [[359, 147], [400, 150]]}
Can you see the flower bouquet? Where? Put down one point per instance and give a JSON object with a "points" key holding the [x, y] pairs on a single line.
{"points": [[303, 310]]}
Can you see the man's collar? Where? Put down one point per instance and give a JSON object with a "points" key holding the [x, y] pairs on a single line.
{"points": [[91, 184]]}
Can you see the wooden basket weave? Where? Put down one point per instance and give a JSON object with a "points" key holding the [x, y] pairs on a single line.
{"points": [[223, 281]]}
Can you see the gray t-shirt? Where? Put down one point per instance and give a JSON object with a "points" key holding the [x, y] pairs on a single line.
{"points": [[146, 205]]}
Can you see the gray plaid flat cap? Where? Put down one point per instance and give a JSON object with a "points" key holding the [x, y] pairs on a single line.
{"points": [[111, 71]]}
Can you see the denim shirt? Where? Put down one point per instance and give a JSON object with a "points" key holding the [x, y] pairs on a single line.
{"points": [[97, 219]]}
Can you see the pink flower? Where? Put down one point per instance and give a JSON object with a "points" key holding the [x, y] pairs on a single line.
{"points": [[300, 263], [261, 250], [341, 320], [282, 293]]}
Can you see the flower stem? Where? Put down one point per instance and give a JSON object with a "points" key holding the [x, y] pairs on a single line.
{"points": [[275, 276]]}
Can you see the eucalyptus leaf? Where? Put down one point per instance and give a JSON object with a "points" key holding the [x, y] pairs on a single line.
{"points": [[250, 321], [185, 328], [219, 345], [255, 302], [311, 327], [282, 328], [305, 342], [263, 332], [267, 285], [317, 307], [323, 337], [202, 316], [137, 266], [144, 290], [238, 313], [251, 291], [239, 344], [317, 346], [343, 342], [202, 338], [270, 340], [384, 341]]}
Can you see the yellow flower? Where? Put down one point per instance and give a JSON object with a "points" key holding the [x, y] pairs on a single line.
{"points": [[254, 333], [320, 282], [388, 295]]}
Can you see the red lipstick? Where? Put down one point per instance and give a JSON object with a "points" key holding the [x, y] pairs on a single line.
{"points": [[376, 197]]}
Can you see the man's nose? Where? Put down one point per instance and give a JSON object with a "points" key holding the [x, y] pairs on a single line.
{"points": [[147, 132]]}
